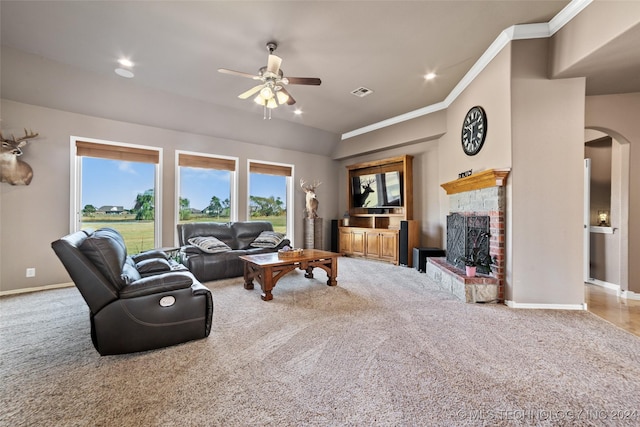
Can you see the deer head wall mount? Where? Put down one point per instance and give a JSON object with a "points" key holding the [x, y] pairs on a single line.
{"points": [[13, 170], [311, 199]]}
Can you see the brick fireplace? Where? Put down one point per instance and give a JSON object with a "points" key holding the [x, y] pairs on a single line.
{"points": [[480, 194]]}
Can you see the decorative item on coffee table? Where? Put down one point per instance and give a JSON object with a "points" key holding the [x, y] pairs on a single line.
{"points": [[289, 252]]}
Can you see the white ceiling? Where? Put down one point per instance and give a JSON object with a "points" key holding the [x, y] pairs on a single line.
{"points": [[177, 46]]}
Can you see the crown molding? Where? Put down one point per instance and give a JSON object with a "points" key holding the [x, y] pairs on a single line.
{"points": [[567, 14], [515, 32], [397, 119]]}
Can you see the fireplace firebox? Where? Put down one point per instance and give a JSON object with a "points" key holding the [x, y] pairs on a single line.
{"points": [[468, 238]]}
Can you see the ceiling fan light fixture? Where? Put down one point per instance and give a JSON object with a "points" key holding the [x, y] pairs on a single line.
{"points": [[266, 92], [271, 93], [282, 97], [259, 100]]}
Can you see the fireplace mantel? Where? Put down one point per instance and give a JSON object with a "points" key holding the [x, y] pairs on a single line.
{"points": [[484, 179]]}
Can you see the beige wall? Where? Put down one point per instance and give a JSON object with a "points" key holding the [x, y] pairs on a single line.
{"points": [[33, 216], [617, 116], [547, 179], [601, 22]]}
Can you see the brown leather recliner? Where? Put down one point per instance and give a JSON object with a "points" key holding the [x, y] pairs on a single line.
{"points": [[137, 303]]}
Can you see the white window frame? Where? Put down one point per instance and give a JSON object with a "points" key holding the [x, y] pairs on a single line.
{"points": [[289, 193], [233, 191], [76, 184]]}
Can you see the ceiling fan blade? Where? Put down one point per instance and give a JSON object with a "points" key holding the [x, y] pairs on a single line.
{"points": [[304, 81], [247, 94], [273, 64], [290, 100], [238, 73]]}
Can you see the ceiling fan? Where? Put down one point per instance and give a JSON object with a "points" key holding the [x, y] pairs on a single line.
{"points": [[271, 91]]}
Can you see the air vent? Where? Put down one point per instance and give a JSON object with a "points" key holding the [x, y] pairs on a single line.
{"points": [[361, 92]]}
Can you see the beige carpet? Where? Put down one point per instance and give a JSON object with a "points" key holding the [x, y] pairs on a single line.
{"points": [[383, 348]]}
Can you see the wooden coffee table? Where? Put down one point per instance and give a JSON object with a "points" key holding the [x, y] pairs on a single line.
{"points": [[268, 268]]}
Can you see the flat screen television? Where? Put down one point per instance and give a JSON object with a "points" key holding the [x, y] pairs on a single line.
{"points": [[379, 190]]}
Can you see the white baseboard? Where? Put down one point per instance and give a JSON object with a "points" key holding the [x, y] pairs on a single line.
{"points": [[604, 284], [629, 295], [36, 289], [622, 294], [513, 304]]}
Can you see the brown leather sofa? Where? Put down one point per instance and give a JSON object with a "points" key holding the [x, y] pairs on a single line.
{"points": [[239, 236], [137, 303]]}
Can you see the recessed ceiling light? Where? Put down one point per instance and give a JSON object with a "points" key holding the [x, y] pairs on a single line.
{"points": [[123, 72], [125, 69], [297, 111], [430, 76]]}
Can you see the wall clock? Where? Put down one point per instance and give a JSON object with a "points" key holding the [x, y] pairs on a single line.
{"points": [[474, 131]]}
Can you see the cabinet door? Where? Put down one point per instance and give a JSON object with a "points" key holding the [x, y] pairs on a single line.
{"points": [[388, 246], [373, 244], [344, 242], [358, 242]]}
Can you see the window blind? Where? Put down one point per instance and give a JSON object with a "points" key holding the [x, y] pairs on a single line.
{"points": [[268, 169], [117, 152], [195, 161]]}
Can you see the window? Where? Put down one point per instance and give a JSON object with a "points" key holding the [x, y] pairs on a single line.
{"points": [[117, 186], [206, 188], [270, 195]]}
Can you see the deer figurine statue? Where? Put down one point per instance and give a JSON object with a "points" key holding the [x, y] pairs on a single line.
{"points": [[311, 199], [13, 170]]}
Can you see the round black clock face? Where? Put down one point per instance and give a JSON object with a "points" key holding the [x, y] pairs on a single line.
{"points": [[474, 130]]}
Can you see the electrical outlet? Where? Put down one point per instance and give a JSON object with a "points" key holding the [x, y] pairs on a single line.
{"points": [[31, 272]]}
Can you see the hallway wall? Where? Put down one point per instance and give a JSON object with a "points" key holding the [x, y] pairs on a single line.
{"points": [[617, 115]]}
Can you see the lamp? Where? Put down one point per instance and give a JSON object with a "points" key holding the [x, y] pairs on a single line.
{"points": [[266, 92], [282, 97], [603, 218]]}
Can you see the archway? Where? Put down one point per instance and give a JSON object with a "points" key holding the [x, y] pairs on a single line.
{"points": [[612, 267]]}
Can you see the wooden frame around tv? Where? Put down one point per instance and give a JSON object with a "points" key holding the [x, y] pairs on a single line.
{"points": [[391, 217]]}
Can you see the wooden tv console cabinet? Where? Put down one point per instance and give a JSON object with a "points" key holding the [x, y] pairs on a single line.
{"points": [[381, 233]]}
